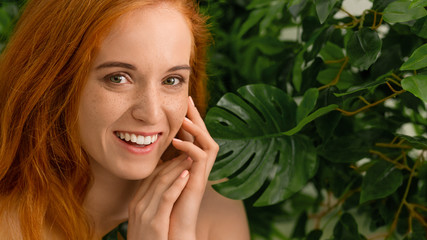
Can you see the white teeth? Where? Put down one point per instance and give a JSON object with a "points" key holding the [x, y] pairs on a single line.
{"points": [[138, 139], [133, 138], [147, 140]]}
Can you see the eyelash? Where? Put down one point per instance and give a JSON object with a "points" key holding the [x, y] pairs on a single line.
{"points": [[126, 77], [123, 76]]}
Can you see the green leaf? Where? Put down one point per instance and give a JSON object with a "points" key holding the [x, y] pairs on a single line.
{"points": [[367, 86], [418, 3], [255, 17], [417, 60], [346, 228], [401, 11], [324, 8], [345, 149], [331, 51], [381, 180], [250, 129], [296, 6], [308, 103], [318, 113], [315, 235], [297, 71], [363, 48], [347, 79], [420, 27], [4, 21], [417, 85], [418, 142]]}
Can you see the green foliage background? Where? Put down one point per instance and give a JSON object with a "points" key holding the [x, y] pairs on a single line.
{"points": [[314, 129]]}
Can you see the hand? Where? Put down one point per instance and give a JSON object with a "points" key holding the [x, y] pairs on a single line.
{"points": [[151, 207], [167, 203], [202, 150]]}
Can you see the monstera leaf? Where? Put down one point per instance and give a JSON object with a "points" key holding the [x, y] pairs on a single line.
{"points": [[257, 134]]}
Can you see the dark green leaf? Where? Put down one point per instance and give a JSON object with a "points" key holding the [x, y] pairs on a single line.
{"points": [[318, 113], [250, 129], [401, 11], [417, 85], [315, 235], [297, 71], [367, 86], [308, 103], [363, 48], [346, 228], [380, 5], [420, 27], [418, 142], [417, 60], [4, 21], [296, 6], [346, 79], [381, 180], [344, 149], [324, 8], [254, 18]]}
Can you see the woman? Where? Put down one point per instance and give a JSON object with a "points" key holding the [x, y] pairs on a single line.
{"points": [[93, 93]]}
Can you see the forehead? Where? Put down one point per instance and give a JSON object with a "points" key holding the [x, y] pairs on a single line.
{"points": [[155, 30]]}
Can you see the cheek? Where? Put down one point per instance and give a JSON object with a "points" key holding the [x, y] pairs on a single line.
{"points": [[177, 109]]}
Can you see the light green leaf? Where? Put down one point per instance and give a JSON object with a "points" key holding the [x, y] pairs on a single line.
{"points": [[250, 130], [324, 8], [308, 103], [418, 3], [401, 11], [417, 60], [363, 48], [331, 51], [381, 180], [417, 85]]}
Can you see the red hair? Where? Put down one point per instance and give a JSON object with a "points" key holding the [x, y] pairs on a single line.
{"points": [[44, 172]]}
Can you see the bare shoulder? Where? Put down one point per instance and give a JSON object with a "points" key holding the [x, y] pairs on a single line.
{"points": [[221, 218]]}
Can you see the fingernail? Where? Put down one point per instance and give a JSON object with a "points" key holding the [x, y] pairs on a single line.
{"points": [[191, 100], [177, 140], [184, 174]]}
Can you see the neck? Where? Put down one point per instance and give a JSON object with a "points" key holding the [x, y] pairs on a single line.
{"points": [[107, 201]]}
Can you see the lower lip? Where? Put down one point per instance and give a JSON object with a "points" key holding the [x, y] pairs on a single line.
{"points": [[137, 150]]}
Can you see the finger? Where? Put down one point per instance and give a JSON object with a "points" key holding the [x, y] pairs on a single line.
{"points": [[194, 115], [199, 157], [184, 135], [201, 136], [171, 195], [180, 162]]}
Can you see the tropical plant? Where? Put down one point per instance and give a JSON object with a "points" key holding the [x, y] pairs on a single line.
{"points": [[323, 133]]}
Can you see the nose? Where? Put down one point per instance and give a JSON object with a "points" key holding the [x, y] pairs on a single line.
{"points": [[147, 105]]}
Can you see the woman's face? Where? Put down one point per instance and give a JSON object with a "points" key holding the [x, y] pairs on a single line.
{"points": [[137, 91]]}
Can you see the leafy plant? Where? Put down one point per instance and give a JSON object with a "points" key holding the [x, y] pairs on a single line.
{"points": [[325, 131]]}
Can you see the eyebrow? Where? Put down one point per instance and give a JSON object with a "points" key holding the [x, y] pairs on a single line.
{"points": [[132, 67]]}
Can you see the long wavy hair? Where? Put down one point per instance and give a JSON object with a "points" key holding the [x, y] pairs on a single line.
{"points": [[44, 172]]}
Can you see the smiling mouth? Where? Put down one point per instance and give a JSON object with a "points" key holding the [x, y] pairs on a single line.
{"points": [[136, 140]]}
